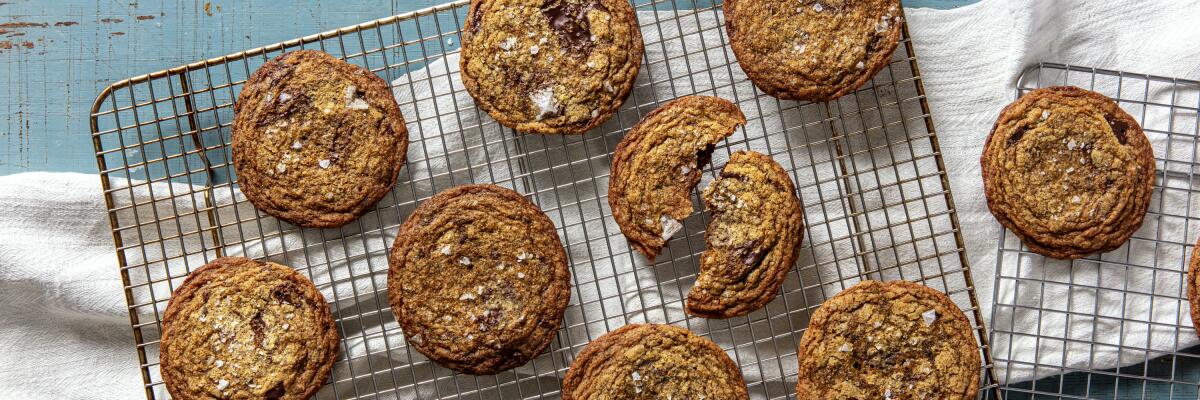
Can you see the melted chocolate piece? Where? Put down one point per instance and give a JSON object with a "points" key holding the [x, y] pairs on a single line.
{"points": [[1016, 136], [569, 21], [749, 254], [287, 293], [1118, 128], [275, 393], [476, 18], [704, 156], [257, 326]]}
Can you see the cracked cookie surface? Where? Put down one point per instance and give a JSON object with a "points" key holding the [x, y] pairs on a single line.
{"points": [[478, 279], [240, 328], [815, 50], [897, 340], [752, 239], [658, 163], [550, 66], [316, 141], [1068, 172], [653, 361]]}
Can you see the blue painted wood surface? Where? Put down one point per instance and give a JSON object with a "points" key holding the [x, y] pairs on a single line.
{"points": [[56, 55]]}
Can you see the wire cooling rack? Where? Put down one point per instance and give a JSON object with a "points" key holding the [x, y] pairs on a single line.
{"points": [[868, 168], [1116, 324]]}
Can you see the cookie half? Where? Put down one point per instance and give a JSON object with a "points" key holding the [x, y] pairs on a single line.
{"points": [[478, 279], [752, 239], [652, 362], [316, 141], [1068, 172], [815, 50], [240, 328], [658, 163], [553, 66], [898, 340]]}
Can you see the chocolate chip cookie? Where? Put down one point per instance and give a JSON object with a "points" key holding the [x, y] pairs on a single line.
{"points": [[550, 66], [893, 340], [1068, 172], [658, 163], [316, 141], [478, 279], [653, 362], [815, 50], [752, 240], [239, 329]]}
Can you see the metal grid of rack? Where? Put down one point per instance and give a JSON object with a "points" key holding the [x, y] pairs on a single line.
{"points": [[1116, 323], [867, 167]]}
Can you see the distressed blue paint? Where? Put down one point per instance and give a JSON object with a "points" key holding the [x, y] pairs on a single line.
{"points": [[47, 88]]}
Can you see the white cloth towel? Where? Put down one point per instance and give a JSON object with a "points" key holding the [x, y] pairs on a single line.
{"points": [[64, 328]]}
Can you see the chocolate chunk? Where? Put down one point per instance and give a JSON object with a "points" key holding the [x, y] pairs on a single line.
{"points": [[287, 293], [257, 326], [569, 21], [1118, 128], [476, 18], [275, 393], [704, 156], [749, 254], [1016, 137]]}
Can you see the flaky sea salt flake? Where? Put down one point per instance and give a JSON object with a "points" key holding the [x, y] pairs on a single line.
{"points": [[669, 226], [544, 100], [929, 317]]}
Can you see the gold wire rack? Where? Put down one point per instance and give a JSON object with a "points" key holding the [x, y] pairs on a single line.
{"points": [[1116, 324], [867, 166]]}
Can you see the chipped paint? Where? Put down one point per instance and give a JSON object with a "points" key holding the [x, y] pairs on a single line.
{"points": [[117, 34], [112, 20], [144, 17], [24, 24], [66, 23]]}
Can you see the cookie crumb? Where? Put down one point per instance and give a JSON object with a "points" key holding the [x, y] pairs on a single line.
{"points": [[929, 317]]}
